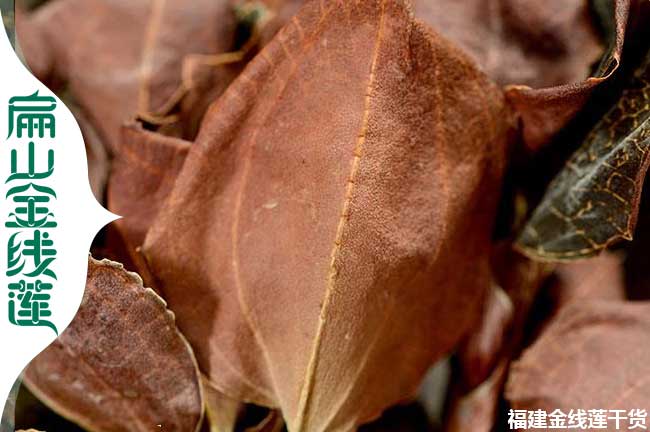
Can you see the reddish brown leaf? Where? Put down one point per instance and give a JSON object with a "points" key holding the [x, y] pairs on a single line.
{"points": [[596, 278], [542, 51], [545, 111], [520, 41], [121, 365], [330, 194], [592, 356], [145, 167], [123, 58]]}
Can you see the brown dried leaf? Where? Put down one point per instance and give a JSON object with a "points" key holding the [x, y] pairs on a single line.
{"points": [[520, 41], [145, 167], [594, 200], [542, 51], [331, 192], [564, 368], [121, 365], [123, 58], [544, 111], [600, 277]]}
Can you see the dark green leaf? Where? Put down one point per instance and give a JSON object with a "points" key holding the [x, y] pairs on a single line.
{"points": [[594, 200]]}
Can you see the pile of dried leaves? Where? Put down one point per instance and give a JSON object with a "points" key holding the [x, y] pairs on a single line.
{"points": [[332, 196]]}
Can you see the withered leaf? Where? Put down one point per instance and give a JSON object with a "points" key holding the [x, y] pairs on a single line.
{"points": [[542, 52], [599, 277], [124, 58], [564, 367], [144, 170], [520, 41], [544, 111], [594, 200], [329, 205], [122, 365]]}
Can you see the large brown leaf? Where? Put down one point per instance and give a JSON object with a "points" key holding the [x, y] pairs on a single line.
{"points": [[564, 368], [123, 58], [594, 200], [122, 365], [342, 189]]}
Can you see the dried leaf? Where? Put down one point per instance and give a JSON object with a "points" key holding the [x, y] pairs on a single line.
{"points": [[121, 365], [594, 200], [600, 277], [319, 195], [564, 368], [520, 42], [145, 167], [544, 111], [123, 58]]}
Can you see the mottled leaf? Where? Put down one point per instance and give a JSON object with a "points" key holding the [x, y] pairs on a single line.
{"points": [[122, 365], [592, 356], [333, 191], [594, 200]]}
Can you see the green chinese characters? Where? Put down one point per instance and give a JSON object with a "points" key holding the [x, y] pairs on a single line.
{"points": [[31, 252]]}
